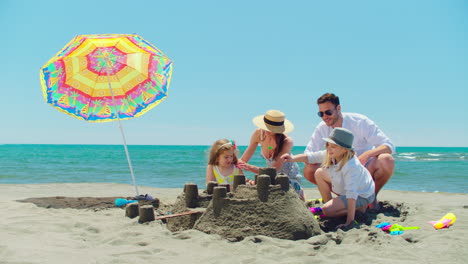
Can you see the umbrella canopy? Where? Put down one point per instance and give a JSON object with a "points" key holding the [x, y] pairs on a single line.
{"points": [[100, 78], [107, 77]]}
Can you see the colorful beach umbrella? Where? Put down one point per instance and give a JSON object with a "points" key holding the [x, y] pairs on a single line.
{"points": [[107, 77], [100, 78]]}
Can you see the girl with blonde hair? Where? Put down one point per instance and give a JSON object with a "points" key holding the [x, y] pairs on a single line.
{"points": [[341, 173]]}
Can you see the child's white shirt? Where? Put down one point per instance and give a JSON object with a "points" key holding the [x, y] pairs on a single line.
{"points": [[352, 180]]}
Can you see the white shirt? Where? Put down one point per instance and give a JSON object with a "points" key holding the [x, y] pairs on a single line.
{"points": [[367, 135], [352, 180]]}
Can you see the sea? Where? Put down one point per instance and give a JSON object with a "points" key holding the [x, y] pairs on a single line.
{"points": [[421, 169]]}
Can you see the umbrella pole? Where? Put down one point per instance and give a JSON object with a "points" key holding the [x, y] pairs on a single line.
{"points": [[126, 153], [123, 137]]}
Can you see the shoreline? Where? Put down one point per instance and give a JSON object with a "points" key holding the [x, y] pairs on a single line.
{"points": [[131, 191], [40, 235]]}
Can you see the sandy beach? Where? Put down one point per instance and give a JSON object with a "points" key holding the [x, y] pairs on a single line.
{"points": [[33, 234]]}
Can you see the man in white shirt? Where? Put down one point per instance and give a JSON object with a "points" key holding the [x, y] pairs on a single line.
{"points": [[373, 148]]}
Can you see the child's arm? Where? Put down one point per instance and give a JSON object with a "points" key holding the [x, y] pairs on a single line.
{"points": [[294, 158], [209, 173], [351, 210]]}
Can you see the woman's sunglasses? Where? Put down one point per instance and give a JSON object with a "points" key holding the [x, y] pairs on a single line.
{"points": [[328, 113]]}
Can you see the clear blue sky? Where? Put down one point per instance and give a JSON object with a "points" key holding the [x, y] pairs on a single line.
{"points": [[402, 63]]}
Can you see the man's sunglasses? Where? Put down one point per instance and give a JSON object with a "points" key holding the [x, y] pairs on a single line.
{"points": [[328, 113]]}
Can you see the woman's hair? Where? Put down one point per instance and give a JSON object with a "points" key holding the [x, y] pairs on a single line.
{"points": [[279, 139], [327, 162], [219, 147]]}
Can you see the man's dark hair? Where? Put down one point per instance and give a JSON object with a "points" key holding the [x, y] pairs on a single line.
{"points": [[329, 97]]}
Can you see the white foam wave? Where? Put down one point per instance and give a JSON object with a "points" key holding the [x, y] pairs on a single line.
{"points": [[434, 155]]}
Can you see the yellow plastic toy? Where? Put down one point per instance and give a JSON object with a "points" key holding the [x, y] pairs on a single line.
{"points": [[444, 222]]}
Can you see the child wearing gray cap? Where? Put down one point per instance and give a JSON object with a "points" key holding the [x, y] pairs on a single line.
{"points": [[340, 173]]}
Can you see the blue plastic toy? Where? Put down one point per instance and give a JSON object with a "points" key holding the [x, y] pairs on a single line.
{"points": [[121, 202], [394, 229]]}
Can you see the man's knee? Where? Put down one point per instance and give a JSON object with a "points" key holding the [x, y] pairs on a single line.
{"points": [[382, 170], [386, 162], [385, 157]]}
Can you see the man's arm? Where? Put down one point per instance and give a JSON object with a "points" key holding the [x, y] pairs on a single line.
{"points": [[364, 157], [376, 137]]}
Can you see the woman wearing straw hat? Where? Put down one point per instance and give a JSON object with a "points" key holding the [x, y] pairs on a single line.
{"points": [[274, 142]]}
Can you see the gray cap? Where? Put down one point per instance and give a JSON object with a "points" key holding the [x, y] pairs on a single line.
{"points": [[341, 137]]}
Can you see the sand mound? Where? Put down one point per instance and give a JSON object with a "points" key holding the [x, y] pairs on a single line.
{"points": [[57, 202], [283, 215], [278, 213]]}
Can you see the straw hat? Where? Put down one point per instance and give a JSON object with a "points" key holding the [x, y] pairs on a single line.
{"points": [[341, 137], [273, 121]]}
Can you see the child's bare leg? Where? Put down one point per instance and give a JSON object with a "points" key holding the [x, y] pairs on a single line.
{"points": [[324, 184], [335, 207]]}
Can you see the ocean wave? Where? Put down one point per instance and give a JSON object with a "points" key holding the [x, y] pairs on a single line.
{"points": [[411, 158], [406, 154], [434, 155]]}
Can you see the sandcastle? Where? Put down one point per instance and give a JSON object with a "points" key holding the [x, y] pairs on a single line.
{"points": [[271, 208]]}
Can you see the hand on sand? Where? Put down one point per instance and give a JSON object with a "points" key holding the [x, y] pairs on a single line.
{"points": [[346, 227]]}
